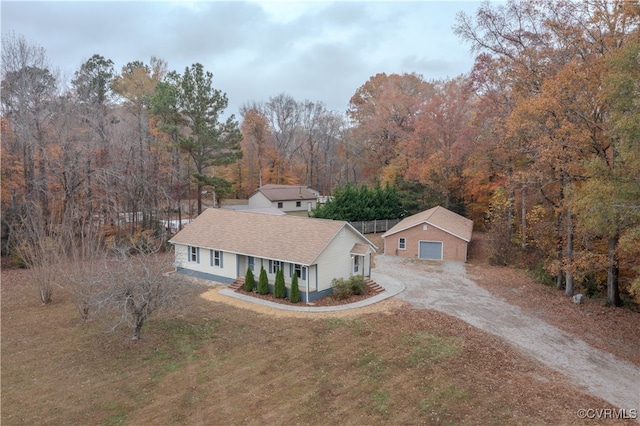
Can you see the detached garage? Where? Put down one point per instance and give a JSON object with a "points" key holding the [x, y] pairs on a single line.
{"points": [[436, 234]]}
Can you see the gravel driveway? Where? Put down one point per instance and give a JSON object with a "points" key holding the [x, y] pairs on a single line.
{"points": [[447, 288]]}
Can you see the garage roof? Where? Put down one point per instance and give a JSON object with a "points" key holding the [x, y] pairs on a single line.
{"points": [[439, 217]]}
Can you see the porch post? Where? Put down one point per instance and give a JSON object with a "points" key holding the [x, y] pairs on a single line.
{"points": [[308, 275]]}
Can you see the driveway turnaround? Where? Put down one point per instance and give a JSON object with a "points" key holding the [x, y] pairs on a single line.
{"points": [[447, 288]]}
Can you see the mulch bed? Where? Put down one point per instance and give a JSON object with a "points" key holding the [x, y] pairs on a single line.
{"points": [[323, 301]]}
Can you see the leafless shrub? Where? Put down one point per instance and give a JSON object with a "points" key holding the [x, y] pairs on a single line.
{"points": [[40, 246]]}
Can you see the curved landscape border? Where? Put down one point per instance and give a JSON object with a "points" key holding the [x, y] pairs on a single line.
{"points": [[391, 287]]}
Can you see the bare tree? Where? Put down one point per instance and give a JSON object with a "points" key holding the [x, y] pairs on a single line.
{"points": [[283, 113], [137, 286], [28, 89]]}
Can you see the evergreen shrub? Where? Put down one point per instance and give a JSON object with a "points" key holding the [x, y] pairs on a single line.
{"points": [[263, 282], [249, 281], [280, 291], [294, 297]]}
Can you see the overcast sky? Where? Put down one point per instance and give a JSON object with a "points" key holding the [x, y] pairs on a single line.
{"points": [[320, 51]]}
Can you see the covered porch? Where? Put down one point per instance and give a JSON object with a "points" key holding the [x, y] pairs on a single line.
{"points": [[307, 275]]}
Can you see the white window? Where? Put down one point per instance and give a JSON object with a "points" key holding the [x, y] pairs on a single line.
{"points": [[298, 203], [251, 261], [194, 254], [279, 204], [274, 265], [356, 264], [216, 258], [298, 270], [402, 244], [424, 226]]}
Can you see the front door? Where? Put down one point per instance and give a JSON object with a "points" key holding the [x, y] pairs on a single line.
{"points": [[356, 264]]}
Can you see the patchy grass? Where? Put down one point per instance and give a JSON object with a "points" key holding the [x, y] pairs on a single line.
{"points": [[212, 363], [427, 348]]}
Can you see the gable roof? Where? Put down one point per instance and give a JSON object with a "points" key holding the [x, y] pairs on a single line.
{"points": [[285, 192], [439, 217], [287, 238], [360, 249]]}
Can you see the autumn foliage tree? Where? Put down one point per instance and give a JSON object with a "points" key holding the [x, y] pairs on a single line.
{"points": [[542, 64], [382, 112], [288, 141]]}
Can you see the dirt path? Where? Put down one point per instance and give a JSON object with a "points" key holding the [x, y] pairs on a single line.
{"points": [[446, 287]]}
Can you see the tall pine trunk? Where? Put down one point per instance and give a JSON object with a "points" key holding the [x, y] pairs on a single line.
{"points": [[613, 292], [523, 219], [569, 256], [559, 281]]}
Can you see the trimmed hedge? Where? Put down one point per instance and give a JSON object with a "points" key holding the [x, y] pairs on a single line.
{"points": [[361, 203]]}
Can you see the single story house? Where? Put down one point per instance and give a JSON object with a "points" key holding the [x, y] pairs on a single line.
{"points": [[221, 244], [288, 198], [437, 234]]}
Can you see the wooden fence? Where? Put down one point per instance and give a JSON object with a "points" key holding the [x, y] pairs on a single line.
{"points": [[374, 226]]}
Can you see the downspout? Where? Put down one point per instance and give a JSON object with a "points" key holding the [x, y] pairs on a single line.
{"points": [[308, 277]]}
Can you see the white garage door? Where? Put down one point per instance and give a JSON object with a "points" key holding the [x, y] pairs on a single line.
{"points": [[430, 250]]}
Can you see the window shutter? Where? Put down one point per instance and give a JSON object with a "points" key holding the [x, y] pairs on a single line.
{"points": [[304, 273], [211, 257], [290, 270], [197, 254], [270, 266], [221, 253]]}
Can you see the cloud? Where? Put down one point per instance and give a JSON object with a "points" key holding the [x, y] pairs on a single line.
{"points": [[321, 51]]}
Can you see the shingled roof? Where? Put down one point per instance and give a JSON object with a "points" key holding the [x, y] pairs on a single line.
{"points": [[286, 192], [286, 238], [439, 217]]}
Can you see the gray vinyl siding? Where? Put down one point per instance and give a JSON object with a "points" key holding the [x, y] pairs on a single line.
{"points": [[335, 260]]}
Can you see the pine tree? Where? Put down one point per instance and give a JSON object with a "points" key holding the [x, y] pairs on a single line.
{"points": [[249, 280], [280, 291], [294, 297], [263, 282]]}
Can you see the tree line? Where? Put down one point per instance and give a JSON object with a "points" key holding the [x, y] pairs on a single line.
{"points": [[537, 143]]}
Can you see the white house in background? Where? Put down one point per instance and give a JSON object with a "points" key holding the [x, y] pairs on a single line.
{"points": [[288, 198], [221, 244]]}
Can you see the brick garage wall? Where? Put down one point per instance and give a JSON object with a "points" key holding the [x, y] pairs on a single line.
{"points": [[453, 247]]}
